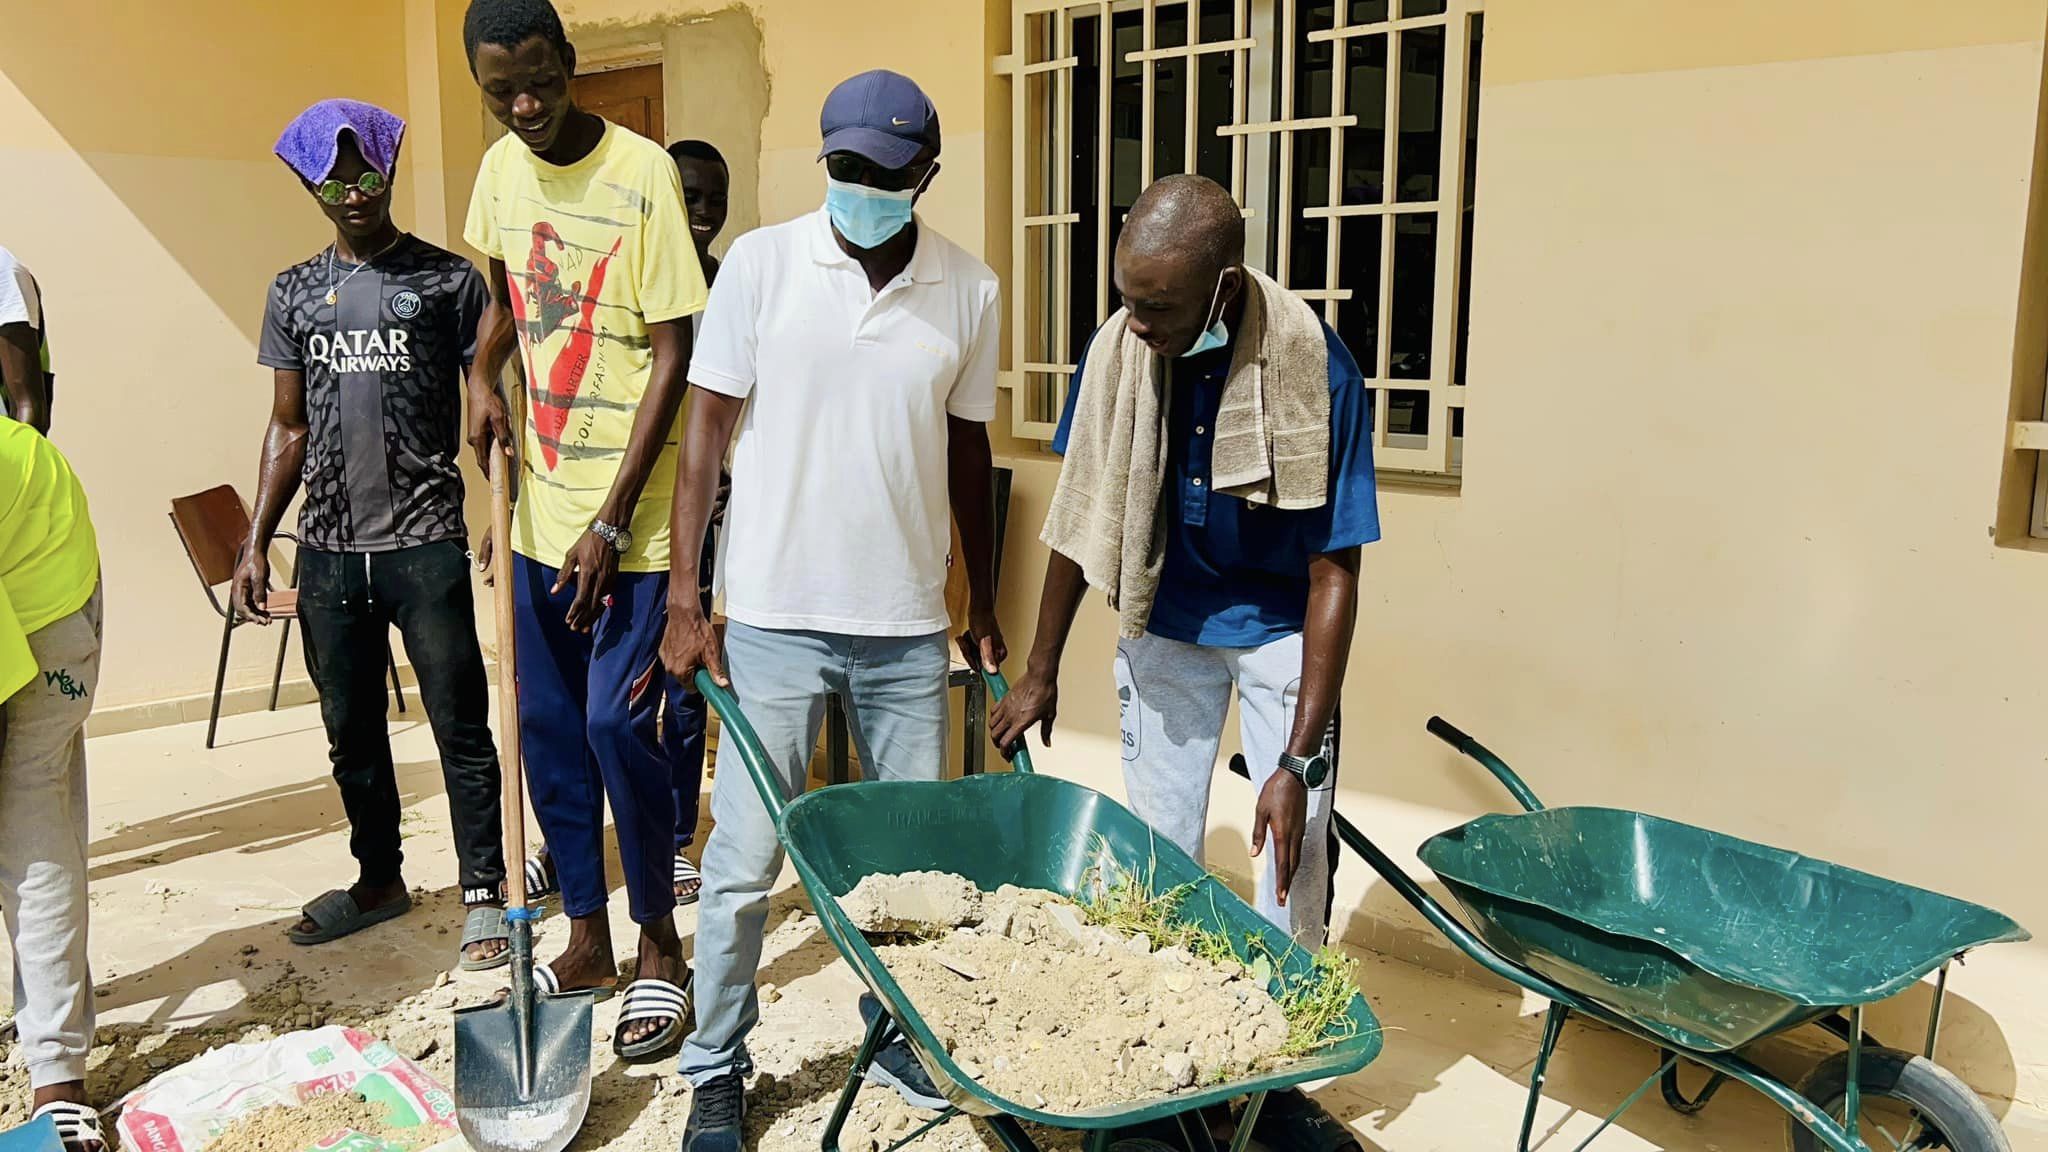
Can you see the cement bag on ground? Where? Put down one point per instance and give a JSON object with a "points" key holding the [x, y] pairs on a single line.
{"points": [[186, 1107]]}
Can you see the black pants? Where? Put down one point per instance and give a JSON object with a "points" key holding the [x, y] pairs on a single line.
{"points": [[347, 603]]}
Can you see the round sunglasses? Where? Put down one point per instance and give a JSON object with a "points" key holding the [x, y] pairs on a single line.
{"points": [[372, 183]]}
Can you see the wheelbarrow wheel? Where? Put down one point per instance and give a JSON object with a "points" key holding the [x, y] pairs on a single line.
{"points": [[1909, 1102]]}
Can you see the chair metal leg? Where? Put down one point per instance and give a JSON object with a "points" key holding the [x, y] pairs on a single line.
{"points": [[836, 739], [220, 677], [397, 689], [974, 754], [284, 639]]}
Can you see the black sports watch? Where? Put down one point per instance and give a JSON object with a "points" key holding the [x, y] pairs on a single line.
{"points": [[1313, 770], [621, 539]]}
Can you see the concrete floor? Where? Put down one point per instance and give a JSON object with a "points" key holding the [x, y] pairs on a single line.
{"points": [[199, 857]]}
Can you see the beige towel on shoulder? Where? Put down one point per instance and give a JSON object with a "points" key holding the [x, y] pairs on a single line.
{"points": [[1104, 514], [1273, 430], [1272, 443]]}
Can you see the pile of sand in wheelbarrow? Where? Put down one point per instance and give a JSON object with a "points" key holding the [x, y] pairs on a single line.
{"points": [[1046, 1009]]}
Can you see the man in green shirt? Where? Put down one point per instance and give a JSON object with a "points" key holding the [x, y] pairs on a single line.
{"points": [[49, 670]]}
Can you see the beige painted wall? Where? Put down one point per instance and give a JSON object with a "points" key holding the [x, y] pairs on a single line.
{"points": [[808, 46], [141, 190]]}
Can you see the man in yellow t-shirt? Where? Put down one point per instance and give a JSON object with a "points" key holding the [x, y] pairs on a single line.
{"points": [[591, 267], [49, 670]]}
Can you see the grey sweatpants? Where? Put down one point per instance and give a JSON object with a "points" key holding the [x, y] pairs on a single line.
{"points": [[43, 836], [1173, 697]]}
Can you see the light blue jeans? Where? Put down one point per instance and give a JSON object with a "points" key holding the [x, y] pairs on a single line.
{"points": [[895, 694]]}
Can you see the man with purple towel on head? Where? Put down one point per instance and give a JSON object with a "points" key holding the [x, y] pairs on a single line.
{"points": [[367, 341]]}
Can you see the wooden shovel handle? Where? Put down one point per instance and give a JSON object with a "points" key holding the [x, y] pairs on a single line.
{"points": [[512, 803]]}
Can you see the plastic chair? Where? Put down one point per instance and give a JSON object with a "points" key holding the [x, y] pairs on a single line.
{"points": [[212, 526]]}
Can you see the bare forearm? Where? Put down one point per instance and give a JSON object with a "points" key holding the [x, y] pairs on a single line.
{"points": [[968, 466], [1325, 647], [708, 431], [652, 423], [495, 338], [277, 478], [1057, 605]]}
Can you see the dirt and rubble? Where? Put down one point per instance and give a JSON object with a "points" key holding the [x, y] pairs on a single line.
{"points": [[803, 1049], [1056, 1013]]}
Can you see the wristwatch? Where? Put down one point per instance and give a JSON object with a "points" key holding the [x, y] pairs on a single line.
{"points": [[1313, 770], [621, 539]]}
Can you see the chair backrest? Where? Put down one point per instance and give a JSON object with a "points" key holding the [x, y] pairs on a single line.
{"points": [[213, 525]]}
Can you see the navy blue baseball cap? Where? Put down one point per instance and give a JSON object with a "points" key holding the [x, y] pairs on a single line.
{"points": [[881, 115]]}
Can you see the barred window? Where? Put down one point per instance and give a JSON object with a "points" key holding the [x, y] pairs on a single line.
{"points": [[1346, 129]]}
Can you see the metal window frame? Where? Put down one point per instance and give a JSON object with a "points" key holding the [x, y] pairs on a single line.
{"points": [[1264, 37]]}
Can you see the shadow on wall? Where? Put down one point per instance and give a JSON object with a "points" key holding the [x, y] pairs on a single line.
{"points": [[175, 109]]}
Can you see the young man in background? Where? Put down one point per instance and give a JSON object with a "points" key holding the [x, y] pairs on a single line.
{"points": [[594, 275], [705, 181]]}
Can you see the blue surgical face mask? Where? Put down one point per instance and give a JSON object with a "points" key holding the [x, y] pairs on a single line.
{"points": [[1215, 335], [867, 217]]}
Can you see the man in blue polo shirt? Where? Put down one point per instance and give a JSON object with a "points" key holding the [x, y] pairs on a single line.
{"points": [[1249, 586], [1218, 485]]}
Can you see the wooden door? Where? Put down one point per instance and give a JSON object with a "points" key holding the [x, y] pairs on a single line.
{"points": [[628, 97]]}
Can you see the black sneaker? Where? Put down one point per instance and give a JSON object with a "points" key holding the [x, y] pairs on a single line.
{"points": [[1292, 1122], [896, 1065], [718, 1109]]}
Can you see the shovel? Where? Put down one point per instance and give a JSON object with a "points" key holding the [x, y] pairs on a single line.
{"points": [[522, 1065]]}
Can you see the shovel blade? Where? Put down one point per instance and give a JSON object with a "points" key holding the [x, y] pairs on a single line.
{"points": [[495, 1114]]}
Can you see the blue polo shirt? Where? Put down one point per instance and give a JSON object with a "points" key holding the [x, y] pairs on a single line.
{"points": [[1236, 574]]}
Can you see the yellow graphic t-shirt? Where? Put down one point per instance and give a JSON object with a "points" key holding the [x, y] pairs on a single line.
{"points": [[49, 555], [593, 252]]}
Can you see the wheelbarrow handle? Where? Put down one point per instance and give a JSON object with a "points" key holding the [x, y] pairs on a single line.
{"points": [[733, 724], [1451, 734], [999, 687]]}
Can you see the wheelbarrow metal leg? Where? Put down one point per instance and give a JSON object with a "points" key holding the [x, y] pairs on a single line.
{"points": [[1247, 1121], [869, 1045], [1194, 1132], [1553, 1028], [1670, 1062], [1852, 1093], [1098, 1140], [1010, 1134], [1674, 1096], [1934, 1013]]}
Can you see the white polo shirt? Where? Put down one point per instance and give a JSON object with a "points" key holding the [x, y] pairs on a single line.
{"points": [[839, 515]]}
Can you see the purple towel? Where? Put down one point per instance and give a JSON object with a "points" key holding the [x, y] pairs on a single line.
{"points": [[311, 143]]}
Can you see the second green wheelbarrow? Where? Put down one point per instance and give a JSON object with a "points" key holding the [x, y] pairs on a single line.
{"points": [[1035, 832], [1701, 943]]}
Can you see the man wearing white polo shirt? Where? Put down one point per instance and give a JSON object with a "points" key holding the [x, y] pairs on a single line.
{"points": [[855, 350]]}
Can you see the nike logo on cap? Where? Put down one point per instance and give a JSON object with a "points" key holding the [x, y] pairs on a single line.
{"points": [[899, 122]]}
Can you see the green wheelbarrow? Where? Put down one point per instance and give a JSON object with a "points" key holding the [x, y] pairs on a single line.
{"points": [[1008, 828], [1700, 944]]}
